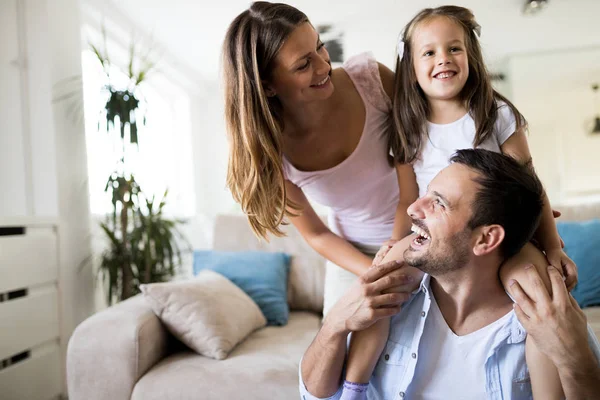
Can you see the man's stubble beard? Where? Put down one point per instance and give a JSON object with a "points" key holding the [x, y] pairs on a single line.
{"points": [[435, 262]]}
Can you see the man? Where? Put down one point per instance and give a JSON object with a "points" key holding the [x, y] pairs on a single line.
{"points": [[458, 336]]}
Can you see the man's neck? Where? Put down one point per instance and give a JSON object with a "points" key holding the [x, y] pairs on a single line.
{"points": [[471, 297]]}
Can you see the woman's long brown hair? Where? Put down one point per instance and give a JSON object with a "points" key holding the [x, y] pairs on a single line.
{"points": [[411, 108], [254, 121]]}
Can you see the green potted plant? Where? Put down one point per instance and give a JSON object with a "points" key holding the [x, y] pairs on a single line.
{"points": [[143, 244]]}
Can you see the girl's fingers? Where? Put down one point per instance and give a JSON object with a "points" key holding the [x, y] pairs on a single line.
{"points": [[571, 275], [383, 250], [556, 213]]}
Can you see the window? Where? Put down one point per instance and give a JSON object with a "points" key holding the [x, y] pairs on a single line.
{"points": [[164, 158]]}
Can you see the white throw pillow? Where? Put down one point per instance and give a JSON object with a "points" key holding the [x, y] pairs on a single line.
{"points": [[209, 313]]}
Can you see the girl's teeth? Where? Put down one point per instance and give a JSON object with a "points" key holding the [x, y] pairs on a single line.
{"points": [[444, 75]]}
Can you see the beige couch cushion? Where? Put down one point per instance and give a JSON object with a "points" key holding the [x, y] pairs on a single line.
{"points": [[578, 212], [209, 313], [307, 271], [265, 366]]}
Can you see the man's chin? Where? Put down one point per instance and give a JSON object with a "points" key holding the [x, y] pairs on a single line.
{"points": [[411, 259]]}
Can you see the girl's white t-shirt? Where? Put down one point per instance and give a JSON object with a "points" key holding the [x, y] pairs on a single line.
{"points": [[444, 140]]}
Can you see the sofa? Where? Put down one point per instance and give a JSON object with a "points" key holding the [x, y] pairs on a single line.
{"points": [[124, 352]]}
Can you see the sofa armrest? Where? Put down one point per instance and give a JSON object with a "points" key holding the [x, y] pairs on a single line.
{"points": [[111, 350]]}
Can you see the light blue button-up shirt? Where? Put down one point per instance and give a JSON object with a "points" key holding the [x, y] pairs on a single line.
{"points": [[507, 376]]}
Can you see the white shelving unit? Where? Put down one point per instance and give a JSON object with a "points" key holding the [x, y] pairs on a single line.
{"points": [[30, 340]]}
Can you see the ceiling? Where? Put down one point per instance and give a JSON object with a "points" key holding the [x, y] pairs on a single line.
{"points": [[191, 31]]}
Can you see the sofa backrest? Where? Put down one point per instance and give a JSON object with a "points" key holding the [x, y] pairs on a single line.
{"points": [[307, 272], [578, 212]]}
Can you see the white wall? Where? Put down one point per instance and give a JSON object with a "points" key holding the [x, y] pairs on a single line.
{"points": [[13, 174], [42, 147], [553, 91]]}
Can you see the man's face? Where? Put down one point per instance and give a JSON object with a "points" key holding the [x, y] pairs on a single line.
{"points": [[440, 218]]}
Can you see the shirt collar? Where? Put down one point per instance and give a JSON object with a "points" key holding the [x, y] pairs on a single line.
{"points": [[514, 331], [424, 285]]}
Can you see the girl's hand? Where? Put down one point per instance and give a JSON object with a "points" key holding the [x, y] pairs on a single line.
{"points": [[383, 250], [559, 260], [556, 214]]}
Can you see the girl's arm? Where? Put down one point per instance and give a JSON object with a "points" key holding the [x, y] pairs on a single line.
{"points": [[545, 380], [409, 191], [547, 235], [319, 237]]}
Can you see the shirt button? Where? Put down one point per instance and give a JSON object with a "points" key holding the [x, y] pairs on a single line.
{"points": [[387, 357], [401, 394], [414, 355], [422, 313]]}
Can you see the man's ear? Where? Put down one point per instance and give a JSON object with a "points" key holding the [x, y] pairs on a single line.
{"points": [[488, 239], [269, 91]]}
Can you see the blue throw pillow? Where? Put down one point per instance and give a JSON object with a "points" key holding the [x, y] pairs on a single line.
{"points": [[582, 244], [263, 276]]}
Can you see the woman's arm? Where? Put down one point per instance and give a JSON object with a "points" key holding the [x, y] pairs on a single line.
{"points": [[387, 79], [547, 235], [319, 237]]}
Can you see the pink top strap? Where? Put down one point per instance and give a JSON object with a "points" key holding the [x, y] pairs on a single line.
{"points": [[363, 69]]}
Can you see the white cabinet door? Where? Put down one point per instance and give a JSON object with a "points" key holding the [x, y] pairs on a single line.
{"points": [[13, 201]]}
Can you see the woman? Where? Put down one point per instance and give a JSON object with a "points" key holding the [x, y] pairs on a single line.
{"points": [[297, 127]]}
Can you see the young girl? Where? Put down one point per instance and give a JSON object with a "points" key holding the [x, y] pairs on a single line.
{"points": [[298, 127], [444, 101]]}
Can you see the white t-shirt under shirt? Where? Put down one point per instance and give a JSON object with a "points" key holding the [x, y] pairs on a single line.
{"points": [[451, 366], [445, 139]]}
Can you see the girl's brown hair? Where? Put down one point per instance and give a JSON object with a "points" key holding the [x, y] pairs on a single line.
{"points": [[411, 107], [254, 121]]}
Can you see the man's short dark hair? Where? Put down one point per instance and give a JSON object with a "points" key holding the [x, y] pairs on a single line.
{"points": [[510, 195]]}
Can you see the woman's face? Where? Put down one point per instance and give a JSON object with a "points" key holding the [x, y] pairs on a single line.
{"points": [[302, 69]]}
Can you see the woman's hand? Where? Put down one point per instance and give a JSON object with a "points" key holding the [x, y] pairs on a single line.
{"points": [[561, 261], [383, 250]]}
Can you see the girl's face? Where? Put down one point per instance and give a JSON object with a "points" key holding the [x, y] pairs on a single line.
{"points": [[440, 58], [302, 69]]}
